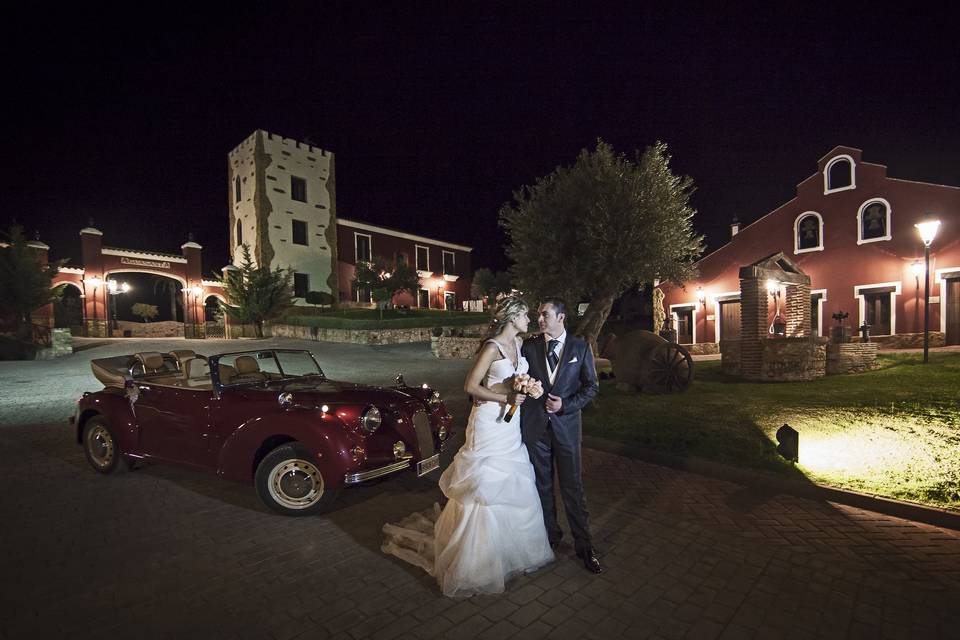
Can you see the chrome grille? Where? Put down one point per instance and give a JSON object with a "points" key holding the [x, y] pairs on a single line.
{"points": [[421, 424]]}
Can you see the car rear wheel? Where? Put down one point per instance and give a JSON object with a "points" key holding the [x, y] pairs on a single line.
{"points": [[290, 482], [101, 448]]}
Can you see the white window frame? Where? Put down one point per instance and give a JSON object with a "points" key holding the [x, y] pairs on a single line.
{"points": [[727, 296], [450, 293], [416, 262], [863, 206], [356, 246], [860, 291], [693, 321], [826, 174], [796, 233], [822, 299], [940, 276], [453, 260]]}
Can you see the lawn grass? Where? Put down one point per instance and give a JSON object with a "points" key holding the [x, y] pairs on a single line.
{"points": [[894, 431]]}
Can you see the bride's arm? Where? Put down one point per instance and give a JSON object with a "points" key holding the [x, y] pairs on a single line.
{"points": [[473, 384]]}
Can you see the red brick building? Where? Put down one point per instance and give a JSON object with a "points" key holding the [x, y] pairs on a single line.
{"points": [[850, 227], [444, 267]]}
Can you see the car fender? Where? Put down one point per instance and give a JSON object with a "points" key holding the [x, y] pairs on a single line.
{"points": [[116, 410], [327, 438]]}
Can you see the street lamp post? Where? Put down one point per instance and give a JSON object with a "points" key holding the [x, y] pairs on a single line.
{"points": [[197, 291], [94, 282], [115, 288], [928, 231]]}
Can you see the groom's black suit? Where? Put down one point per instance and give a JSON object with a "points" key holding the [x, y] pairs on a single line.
{"points": [[553, 439]]}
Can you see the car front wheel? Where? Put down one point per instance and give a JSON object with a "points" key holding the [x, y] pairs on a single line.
{"points": [[290, 482], [101, 448]]}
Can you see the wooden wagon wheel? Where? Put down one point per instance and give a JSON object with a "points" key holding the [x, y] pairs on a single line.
{"points": [[671, 368]]}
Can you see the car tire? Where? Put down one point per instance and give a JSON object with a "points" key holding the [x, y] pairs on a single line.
{"points": [[290, 482], [101, 448]]}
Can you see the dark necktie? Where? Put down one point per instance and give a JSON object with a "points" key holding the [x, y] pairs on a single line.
{"points": [[552, 354]]}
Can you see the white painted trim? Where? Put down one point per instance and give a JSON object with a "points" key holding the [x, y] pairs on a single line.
{"points": [[727, 296], [143, 255], [212, 283], [444, 252], [823, 298], [418, 298], [693, 317], [77, 270], [417, 265], [796, 233], [940, 276], [356, 246], [75, 284], [218, 296], [400, 234], [91, 231], [826, 174], [861, 289], [860, 239]]}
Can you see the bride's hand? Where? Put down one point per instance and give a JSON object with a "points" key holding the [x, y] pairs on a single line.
{"points": [[515, 397]]}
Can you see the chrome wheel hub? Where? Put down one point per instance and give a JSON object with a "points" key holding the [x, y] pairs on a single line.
{"points": [[100, 446], [295, 484]]}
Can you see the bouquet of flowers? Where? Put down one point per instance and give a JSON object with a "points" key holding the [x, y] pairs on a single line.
{"points": [[526, 385]]}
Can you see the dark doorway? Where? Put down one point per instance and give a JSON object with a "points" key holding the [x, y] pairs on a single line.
{"points": [[952, 310], [730, 320], [684, 325], [878, 313], [815, 313]]}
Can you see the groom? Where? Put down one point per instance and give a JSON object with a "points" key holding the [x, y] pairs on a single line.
{"points": [[550, 425]]}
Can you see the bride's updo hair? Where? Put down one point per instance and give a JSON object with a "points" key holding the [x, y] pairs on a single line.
{"points": [[508, 307]]}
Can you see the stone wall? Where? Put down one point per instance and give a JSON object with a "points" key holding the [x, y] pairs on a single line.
{"points": [[730, 358], [792, 359], [62, 345], [164, 329], [905, 340], [447, 348], [851, 357], [702, 348], [364, 336]]}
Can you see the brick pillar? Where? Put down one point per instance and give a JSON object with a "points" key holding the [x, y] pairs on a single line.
{"points": [[753, 325], [797, 310], [194, 325]]}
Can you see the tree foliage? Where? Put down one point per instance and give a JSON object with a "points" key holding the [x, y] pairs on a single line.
{"points": [[25, 282], [488, 284], [256, 294], [321, 298], [605, 223], [145, 311], [384, 278]]}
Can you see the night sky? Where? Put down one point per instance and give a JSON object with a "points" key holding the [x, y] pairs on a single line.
{"points": [[437, 114]]}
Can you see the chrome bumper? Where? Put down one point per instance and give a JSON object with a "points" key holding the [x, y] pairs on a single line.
{"points": [[370, 474]]}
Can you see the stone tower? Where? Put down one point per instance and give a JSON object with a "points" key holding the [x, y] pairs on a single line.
{"points": [[282, 196]]}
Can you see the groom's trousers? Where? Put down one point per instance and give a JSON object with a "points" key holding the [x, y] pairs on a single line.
{"points": [[559, 449]]}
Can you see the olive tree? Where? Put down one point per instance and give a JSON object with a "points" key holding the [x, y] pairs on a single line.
{"points": [[25, 282], [384, 279], [599, 226]]}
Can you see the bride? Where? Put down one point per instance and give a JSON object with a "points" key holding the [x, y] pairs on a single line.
{"points": [[492, 525]]}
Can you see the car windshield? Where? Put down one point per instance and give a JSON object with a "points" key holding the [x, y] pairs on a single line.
{"points": [[265, 366]]}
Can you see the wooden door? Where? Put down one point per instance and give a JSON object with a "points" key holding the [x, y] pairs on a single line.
{"points": [[730, 320], [952, 310], [878, 313], [684, 326]]}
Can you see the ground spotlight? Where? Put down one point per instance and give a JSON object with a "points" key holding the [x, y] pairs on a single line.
{"points": [[788, 443]]}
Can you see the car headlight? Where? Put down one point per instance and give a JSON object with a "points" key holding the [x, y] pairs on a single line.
{"points": [[371, 419]]}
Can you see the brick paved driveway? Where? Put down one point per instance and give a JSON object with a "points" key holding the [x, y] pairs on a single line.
{"points": [[168, 553]]}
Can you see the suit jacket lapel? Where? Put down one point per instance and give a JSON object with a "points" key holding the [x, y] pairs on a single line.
{"points": [[565, 355]]}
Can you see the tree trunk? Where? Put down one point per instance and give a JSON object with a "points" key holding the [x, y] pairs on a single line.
{"points": [[589, 327], [258, 328], [172, 288]]}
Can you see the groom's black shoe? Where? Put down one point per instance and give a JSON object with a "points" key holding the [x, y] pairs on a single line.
{"points": [[591, 560]]}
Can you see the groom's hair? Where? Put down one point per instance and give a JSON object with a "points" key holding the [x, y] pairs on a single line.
{"points": [[559, 306]]}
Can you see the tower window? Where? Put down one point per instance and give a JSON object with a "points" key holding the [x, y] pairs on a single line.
{"points": [[808, 232], [299, 232], [298, 189], [873, 221], [239, 233], [301, 284], [237, 191]]}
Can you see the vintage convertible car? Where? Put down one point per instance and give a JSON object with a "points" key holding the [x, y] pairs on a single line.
{"points": [[268, 417]]}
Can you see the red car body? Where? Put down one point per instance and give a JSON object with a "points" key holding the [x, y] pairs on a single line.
{"points": [[230, 429]]}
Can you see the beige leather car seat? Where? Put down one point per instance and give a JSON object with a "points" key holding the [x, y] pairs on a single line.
{"points": [[196, 372], [181, 356], [248, 370], [151, 361]]}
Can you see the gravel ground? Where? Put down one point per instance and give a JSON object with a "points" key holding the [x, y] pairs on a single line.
{"points": [[44, 392]]}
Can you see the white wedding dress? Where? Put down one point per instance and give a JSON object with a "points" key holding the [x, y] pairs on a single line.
{"points": [[492, 526]]}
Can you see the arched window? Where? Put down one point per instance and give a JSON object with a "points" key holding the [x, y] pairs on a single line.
{"points": [[839, 174], [873, 221], [239, 234], [808, 232]]}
